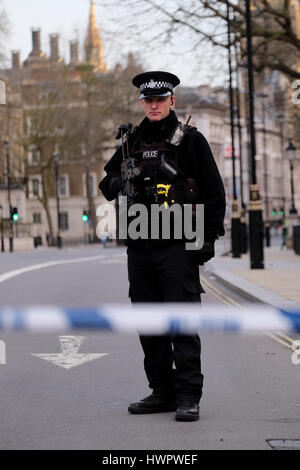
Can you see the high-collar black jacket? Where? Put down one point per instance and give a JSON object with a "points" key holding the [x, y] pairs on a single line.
{"points": [[195, 160]]}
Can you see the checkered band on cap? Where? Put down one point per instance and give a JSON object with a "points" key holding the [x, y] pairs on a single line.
{"points": [[154, 84]]}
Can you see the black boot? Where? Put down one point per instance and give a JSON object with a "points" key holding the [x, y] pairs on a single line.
{"points": [[188, 410], [155, 403]]}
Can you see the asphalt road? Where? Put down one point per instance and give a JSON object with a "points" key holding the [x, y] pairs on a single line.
{"points": [[251, 387]]}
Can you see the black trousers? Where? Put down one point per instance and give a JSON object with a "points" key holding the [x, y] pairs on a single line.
{"points": [[168, 274]]}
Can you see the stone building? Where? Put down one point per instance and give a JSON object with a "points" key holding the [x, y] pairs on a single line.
{"points": [[12, 195], [55, 149], [49, 140], [209, 108]]}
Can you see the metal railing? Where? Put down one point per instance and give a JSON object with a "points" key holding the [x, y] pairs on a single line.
{"points": [[70, 242]]}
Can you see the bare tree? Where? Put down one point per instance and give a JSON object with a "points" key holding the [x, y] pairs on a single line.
{"points": [[44, 115], [197, 24]]}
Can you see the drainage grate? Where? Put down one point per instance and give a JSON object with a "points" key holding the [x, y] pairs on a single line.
{"points": [[284, 444]]}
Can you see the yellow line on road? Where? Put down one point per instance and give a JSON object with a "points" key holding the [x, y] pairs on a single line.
{"points": [[278, 340], [219, 294], [284, 340], [285, 336]]}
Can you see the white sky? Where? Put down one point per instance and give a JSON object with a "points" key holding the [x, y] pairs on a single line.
{"points": [[69, 18]]}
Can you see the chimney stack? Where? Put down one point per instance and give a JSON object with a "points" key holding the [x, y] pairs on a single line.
{"points": [[74, 52], [54, 49], [16, 60], [36, 42]]}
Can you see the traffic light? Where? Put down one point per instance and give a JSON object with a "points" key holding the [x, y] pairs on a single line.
{"points": [[274, 211], [14, 214], [281, 211], [85, 216]]}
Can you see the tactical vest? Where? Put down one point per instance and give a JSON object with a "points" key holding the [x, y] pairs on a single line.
{"points": [[160, 181]]}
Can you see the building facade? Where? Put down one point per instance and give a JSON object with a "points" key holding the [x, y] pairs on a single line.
{"points": [[56, 135], [50, 150]]}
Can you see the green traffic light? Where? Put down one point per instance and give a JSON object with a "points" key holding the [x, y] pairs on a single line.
{"points": [[85, 217], [14, 214]]}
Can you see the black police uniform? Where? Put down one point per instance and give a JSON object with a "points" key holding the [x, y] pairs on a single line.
{"points": [[163, 270]]}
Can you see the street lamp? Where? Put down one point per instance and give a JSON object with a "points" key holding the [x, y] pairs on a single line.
{"points": [[243, 225], [263, 96], [280, 119], [291, 153], [245, 232], [235, 216], [255, 211], [56, 157], [2, 236], [11, 232]]}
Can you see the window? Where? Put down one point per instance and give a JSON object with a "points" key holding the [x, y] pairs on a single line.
{"points": [[32, 125], [63, 185], [37, 219], [35, 187], [63, 221], [33, 156]]}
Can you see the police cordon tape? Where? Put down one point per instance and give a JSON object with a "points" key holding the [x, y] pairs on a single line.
{"points": [[153, 318]]}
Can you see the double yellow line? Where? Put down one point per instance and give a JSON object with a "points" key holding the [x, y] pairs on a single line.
{"points": [[280, 338], [209, 287], [285, 340]]}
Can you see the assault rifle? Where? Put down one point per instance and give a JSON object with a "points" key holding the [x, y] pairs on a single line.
{"points": [[128, 168]]}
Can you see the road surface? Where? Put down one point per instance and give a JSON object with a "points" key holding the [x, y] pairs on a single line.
{"points": [[251, 387]]}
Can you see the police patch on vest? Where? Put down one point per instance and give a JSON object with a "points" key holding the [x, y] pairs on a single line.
{"points": [[150, 154]]}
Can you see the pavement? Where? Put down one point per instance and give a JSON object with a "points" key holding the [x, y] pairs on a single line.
{"points": [[277, 284]]}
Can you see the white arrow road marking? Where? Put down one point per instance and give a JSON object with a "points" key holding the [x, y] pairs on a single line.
{"points": [[69, 356]]}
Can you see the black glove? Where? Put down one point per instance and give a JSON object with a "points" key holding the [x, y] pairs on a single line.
{"points": [[115, 185], [206, 252]]}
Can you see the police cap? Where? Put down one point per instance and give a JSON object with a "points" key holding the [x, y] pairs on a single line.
{"points": [[155, 83]]}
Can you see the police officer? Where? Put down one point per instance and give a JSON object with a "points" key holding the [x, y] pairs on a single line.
{"points": [[163, 270]]}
